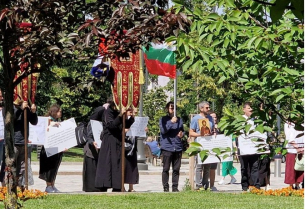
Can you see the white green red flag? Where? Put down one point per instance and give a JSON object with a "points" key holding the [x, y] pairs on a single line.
{"points": [[160, 59]]}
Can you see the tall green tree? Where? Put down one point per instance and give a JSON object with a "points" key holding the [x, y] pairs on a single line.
{"points": [[242, 46]]}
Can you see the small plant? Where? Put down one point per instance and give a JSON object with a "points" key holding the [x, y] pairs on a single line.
{"points": [[22, 196], [187, 185]]}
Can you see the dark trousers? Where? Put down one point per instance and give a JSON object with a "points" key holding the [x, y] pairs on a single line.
{"points": [[169, 158], [249, 168]]}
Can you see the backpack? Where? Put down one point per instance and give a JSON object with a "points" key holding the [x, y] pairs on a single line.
{"points": [[81, 134]]}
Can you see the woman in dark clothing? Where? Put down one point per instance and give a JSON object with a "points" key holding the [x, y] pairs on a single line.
{"points": [[49, 165], [109, 172], [131, 162], [91, 154]]}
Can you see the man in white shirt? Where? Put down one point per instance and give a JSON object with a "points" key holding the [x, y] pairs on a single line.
{"points": [[249, 164]]}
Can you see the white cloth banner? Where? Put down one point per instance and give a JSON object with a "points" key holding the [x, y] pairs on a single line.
{"points": [[247, 146], [138, 127], [38, 133], [60, 138], [1, 126], [211, 142], [97, 128]]}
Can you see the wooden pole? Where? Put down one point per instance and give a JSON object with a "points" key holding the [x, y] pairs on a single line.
{"points": [[123, 151], [25, 147], [191, 167]]}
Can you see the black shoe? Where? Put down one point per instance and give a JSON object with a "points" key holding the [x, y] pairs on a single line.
{"points": [[297, 188], [116, 190], [175, 190], [166, 190]]}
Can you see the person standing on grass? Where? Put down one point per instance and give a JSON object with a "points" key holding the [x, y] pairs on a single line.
{"points": [[2, 139], [91, 152], [202, 170], [295, 148], [131, 160], [49, 165], [19, 108], [109, 166], [171, 129], [249, 162]]}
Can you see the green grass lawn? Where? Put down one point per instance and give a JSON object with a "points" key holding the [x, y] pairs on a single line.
{"points": [[72, 155], [189, 200], [76, 155]]}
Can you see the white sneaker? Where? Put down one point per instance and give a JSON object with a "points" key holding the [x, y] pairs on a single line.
{"points": [[268, 187], [221, 182], [49, 189], [213, 189], [233, 180]]}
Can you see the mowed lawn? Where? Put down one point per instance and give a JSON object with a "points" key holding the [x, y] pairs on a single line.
{"points": [[197, 200]]}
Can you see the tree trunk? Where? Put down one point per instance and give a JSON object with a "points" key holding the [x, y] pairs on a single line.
{"points": [[9, 74]]}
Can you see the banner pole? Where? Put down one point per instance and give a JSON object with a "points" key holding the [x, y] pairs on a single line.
{"points": [[175, 96], [25, 148], [123, 151]]}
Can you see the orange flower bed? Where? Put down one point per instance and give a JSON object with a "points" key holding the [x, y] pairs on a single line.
{"points": [[25, 195], [287, 191]]}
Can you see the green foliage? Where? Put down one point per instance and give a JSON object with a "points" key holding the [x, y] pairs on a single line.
{"points": [[72, 86], [154, 107], [244, 48]]}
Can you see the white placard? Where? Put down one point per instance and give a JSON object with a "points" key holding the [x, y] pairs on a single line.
{"points": [[60, 138], [248, 147], [1, 125], [38, 133], [218, 141], [138, 127], [97, 128]]}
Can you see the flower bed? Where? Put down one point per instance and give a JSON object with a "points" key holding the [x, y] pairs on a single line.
{"points": [[25, 195], [287, 191]]}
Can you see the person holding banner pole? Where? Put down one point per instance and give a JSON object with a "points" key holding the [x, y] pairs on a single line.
{"points": [[171, 128], [109, 172], [49, 165], [23, 115]]}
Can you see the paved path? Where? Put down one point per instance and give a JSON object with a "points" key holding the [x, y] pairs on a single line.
{"points": [[69, 179]]}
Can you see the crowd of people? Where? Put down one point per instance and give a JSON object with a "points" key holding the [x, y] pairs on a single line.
{"points": [[102, 166]]}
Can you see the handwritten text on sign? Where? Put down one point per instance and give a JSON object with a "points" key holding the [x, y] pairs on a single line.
{"points": [[211, 142], [60, 138], [138, 127], [97, 128], [247, 146], [38, 133]]}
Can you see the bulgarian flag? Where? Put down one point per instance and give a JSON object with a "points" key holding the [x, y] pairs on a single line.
{"points": [[160, 59]]}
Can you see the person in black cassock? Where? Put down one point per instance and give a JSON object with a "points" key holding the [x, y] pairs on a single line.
{"points": [[91, 152], [109, 172]]}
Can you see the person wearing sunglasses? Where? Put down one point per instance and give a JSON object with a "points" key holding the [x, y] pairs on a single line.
{"points": [[171, 128]]}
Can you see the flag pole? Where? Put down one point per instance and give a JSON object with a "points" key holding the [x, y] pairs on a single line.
{"points": [[175, 95]]}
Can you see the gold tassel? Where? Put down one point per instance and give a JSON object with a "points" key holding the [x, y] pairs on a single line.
{"points": [[141, 77]]}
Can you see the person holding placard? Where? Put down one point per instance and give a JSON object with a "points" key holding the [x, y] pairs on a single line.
{"points": [[91, 152], [109, 172], [171, 128], [19, 109], [202, 170], [49, 165], [249, 162]]}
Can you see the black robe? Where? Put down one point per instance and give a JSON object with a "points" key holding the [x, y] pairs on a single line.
{"points": [[109, 169]]}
